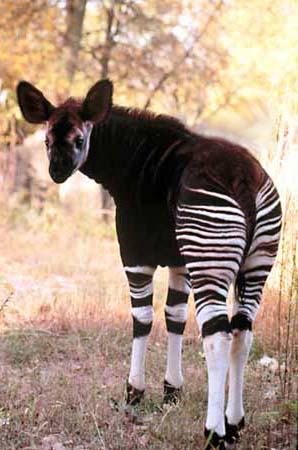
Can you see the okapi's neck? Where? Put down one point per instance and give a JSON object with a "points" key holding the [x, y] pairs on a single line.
{"points": [[131, 151]]}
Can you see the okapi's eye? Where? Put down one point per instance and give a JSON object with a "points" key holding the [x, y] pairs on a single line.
{"points": [[79, 142], [46, 141]]}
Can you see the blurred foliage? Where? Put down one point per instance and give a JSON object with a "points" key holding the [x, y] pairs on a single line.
{"points": [[190, 58]]}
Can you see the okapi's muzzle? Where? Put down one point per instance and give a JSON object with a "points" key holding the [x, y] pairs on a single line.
{"points": [[60, 169], [58, 177]]}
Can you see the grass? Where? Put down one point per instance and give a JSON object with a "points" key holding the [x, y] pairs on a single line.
{"points": [[71, 387], [65, 349]]}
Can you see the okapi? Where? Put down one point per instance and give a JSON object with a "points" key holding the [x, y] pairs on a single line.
{"points": [[200, 205]]}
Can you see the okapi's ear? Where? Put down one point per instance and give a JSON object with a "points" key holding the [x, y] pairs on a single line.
{"points": [[34, 106], [98, 102]]}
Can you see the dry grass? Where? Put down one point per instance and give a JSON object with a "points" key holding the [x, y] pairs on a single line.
{"points": [[65, 347]]}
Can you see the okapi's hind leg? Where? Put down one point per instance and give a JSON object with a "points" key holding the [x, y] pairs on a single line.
{"points": [[175, 314], [140, 279], [211, 234], [253, 275]]}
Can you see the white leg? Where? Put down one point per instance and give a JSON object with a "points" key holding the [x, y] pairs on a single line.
{"points": [[137, 367], [217, 349], [141, 291], [143, 317], [174, 356], [241, 344], [176, 314]]}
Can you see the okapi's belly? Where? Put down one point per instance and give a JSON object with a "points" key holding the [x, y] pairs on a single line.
{"points": [[146, 236]]}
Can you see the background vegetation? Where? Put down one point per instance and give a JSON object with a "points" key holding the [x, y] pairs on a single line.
{"points": [[225, 67]]}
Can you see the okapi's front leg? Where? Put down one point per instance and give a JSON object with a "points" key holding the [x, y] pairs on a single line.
{"points": [[176, 314], [140, 280]]}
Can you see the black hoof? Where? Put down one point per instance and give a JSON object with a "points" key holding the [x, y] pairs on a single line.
{"points": [[171, 394], [213, 441], [133, 395], [233, 432]]}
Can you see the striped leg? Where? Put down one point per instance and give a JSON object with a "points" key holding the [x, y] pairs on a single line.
{"points": [[254, 273], [211, 234], [176, 314], [141, 291]]}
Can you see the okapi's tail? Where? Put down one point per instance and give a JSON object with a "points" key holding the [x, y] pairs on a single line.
{"points": [[240, 287], [246, 188], [249, 209]]}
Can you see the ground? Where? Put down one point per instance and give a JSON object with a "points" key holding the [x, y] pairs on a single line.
{"points": [[65, 350]]}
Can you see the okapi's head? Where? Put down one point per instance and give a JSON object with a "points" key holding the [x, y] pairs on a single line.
{"points": [[69, 125]]}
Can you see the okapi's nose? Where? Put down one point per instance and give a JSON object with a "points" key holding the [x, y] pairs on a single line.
{"points": [[61, 166], [57, 153], [58, 174]]}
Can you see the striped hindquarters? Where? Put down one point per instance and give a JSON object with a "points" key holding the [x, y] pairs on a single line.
{"points": [[211, 235]]}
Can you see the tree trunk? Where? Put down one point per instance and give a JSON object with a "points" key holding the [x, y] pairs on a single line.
{"points": [[106, 200], [75, 13]]}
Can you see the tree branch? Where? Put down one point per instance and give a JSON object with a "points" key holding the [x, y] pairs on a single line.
{"points": [[186, 54]]}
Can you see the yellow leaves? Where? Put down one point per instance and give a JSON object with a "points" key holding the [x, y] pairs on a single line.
{"points": [[29, 36], [239, 51]]}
